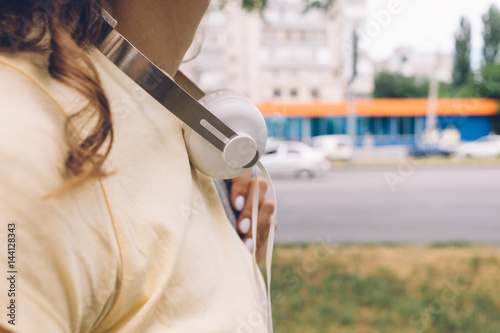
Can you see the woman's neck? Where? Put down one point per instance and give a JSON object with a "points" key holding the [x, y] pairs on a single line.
{"points": [[162, 30]]}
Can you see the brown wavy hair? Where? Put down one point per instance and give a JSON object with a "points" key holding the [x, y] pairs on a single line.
{"points": [[73, 25]]}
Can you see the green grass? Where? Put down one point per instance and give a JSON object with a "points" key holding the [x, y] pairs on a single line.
{"points": [[386, 288], [451, 244]]}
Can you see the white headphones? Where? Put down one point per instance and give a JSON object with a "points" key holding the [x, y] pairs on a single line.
{"points": [[224, 142]]}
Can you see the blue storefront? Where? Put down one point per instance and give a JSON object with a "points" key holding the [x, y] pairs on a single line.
{"points": [[387, 130]]}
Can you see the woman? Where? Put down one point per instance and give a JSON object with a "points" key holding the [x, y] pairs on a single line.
{"points": [[114, 230]]}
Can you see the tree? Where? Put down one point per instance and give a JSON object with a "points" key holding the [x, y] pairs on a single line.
{"points": [[491, 35], [324, 5], [252, 5], [260, 5], [489, 87], [390, 85], [461, 62], [466, 90]]}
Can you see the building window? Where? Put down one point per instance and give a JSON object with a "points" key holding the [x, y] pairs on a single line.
{"points": [[303, 35], [374, 125], [277, 92], [282, 14], [356, 3], [379, 125], [293, 92], [406, 125], [315, 93]]}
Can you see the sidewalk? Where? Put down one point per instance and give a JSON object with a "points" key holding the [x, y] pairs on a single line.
{"points": [[395, 155]]}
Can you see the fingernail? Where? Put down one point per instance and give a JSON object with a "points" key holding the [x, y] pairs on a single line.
{"points": [[249, 244], [245, 225], [239, 203]]}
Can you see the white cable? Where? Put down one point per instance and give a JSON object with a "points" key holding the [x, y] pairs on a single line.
{"points": [[265, 291], [257, 275], [270, 243]]}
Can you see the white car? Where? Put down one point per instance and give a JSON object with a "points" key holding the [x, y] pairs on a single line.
{"points": [[487, 146], [335, 147], [294, 159]]}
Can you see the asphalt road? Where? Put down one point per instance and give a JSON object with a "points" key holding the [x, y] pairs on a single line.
{"points": [[402, 203]]}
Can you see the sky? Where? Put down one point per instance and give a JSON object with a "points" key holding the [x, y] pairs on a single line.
{"points": [[425, 25]]}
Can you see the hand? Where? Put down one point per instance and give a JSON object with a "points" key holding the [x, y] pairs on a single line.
{"points": [[241, 197]]}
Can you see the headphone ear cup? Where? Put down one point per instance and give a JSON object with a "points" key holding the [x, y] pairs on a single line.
{"points": [[242, 116]]}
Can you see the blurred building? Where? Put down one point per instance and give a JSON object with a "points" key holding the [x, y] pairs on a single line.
{"points": [[407, 62], [285, 55], [297, 67]]}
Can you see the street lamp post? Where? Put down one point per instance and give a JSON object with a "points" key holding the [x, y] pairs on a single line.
{"points": [[351, 101]]}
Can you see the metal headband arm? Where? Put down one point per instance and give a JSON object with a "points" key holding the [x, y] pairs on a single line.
{"points": [[160, 86]]}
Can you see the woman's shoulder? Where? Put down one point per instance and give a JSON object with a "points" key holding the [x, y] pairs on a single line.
{"points": [[31, 119], [26, 85]]}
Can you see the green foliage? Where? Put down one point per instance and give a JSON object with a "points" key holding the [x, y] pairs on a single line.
{"points": [[252, 5], [489, 87], [389, 85], [461, 62], [248, 5], [323, 5], [466, 90], [486, 85], [491, 35], [475, 262], [260, 5], [486, 82]]}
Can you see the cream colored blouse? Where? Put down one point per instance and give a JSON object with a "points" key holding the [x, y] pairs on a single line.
{"points": [[148, 249]]}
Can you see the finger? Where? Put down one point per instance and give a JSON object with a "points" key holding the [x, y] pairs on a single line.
{"points": [[266, 210], [244, 220], [247, 208], [244, 225], [264, 221], [239, 190]]}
